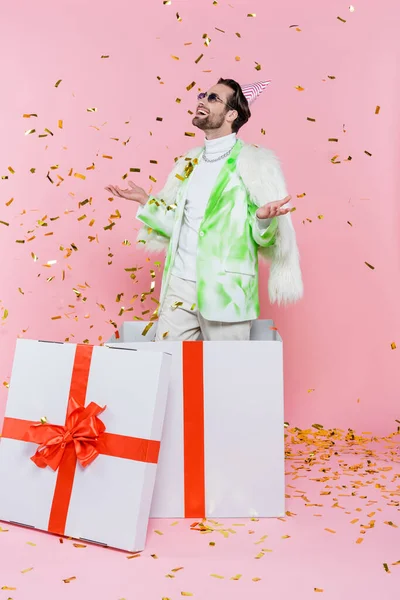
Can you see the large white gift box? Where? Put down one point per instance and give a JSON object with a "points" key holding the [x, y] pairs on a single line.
{"points": [[222, 453], [67, 464]]}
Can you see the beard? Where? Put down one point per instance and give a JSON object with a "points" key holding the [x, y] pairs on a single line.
{"points": [[209, 122]]}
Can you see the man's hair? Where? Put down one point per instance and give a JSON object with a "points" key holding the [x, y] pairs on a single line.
{"points": [[238, 102]]}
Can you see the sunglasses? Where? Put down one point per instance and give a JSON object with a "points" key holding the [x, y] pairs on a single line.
{"points": [[213, 97]]}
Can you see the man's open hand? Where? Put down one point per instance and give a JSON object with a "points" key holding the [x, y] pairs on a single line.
{"points": [[273, 209], [134, 192]]}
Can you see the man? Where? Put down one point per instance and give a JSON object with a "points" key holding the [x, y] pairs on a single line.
{"points": [[223, 205]]}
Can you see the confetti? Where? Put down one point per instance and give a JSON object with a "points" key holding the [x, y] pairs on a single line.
{"points": [[79, 545], [367, 153], [189, 134], [311, 119], [256, 579], [186, 594], [136, 555], [198, 59], [393, 346], [27, 570], [69, 579], [330, 530], [318, 590], [6, 587], [370, 266], [92, 109], [377, 110], [333, 140], [217, 576], [158, 532], [385, 566], [299, 88], [5, 223], [351, 8], [190, 86], [58, 83], [342, 20], [252, 15]]}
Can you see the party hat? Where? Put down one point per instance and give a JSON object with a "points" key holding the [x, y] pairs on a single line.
{"points": [[253, 90]]}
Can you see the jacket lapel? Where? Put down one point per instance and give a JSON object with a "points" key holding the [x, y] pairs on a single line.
{"points": [[222, 180]]}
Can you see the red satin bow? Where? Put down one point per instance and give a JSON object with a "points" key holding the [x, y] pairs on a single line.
{"points": [[82, 429]]}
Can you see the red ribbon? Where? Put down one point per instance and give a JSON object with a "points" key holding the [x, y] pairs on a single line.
{"points": [[82, 439], [82, 429]]}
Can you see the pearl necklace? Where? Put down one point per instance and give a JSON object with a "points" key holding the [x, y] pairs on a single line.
{"points": [[211, 160]]}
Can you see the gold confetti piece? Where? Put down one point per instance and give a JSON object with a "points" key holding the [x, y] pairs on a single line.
{"points": [[69, 579], [6, 587], [189, 134], [359, 540], [30, 544], [159, 118], [93, 109], [5, 223], [186, 594], [367, 153], [10, 202], [377, 110], [320, 217], [211, 543], [330, 530], [190, 86], [299, 88], [198, 59], [55, 318], [27, 570], [311, 119], [393, 346], [105, 156], [167, 2], [179, 18], [333, 140], [258, 67], [342, 20], [158, 532], [256, 579], [390, 523], [318, 590], [136, 555], [370, 266], [351, 8], [79, 545], [11, 170], [252, 15], [1, 529], [58, 83], [236, 577], [385, 566], [217, 576], [334, 161], [30, 131], [79, 176]]}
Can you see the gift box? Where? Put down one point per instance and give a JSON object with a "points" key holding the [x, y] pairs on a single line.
{"points": [[81, 439], [223, 440]]}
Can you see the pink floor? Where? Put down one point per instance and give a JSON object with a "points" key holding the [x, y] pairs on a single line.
{"points": [[340, 539]]}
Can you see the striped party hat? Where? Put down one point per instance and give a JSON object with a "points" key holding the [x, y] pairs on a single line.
{"points": [[253, 90]]}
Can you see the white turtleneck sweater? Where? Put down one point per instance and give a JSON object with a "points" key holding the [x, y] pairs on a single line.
{"points": [[201, 184]]}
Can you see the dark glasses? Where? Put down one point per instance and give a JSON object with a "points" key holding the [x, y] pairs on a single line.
{"points": [[213, 97]]}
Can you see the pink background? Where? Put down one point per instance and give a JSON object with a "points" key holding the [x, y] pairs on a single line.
{"points": [[340, 368]]}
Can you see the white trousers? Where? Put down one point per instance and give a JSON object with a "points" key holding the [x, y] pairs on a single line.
{"points": [[180, 320]]}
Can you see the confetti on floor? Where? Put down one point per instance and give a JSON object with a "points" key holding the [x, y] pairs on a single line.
{"points": [[337, 481]]}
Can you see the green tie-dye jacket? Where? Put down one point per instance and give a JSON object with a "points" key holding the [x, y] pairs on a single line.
{"points": [[230, 239]]}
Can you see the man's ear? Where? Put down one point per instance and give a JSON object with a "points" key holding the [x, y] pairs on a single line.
{"points": [[232, 115]]}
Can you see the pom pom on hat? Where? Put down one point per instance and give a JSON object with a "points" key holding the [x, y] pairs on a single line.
{"points": [[251, 91]]}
